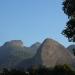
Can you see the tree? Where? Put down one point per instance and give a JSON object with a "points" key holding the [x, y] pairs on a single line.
{"points": [[5, 71], [69, 10], [69, 7]]}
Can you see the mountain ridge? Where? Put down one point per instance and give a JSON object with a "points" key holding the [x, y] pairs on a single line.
{"points": [[49, 53]]}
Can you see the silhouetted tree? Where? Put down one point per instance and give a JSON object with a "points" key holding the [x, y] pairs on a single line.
{"points": [[5, 72], [69, 10], [17, 72], [57, 70], [69, 7], [69, 30], [63, 70]]}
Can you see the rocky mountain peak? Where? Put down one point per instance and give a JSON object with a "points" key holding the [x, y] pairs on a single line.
{"points": [[14, 43], [37, 44], [52, 53], [50, 42], [49, 54]]}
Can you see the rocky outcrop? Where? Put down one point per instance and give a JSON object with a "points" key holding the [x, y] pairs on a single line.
{"points": [[52, 53], [14, 43], [49, 54]]}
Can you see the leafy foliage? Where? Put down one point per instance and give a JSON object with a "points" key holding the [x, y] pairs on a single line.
{"points": [[69, 30], [57, 70], [69, 9]]}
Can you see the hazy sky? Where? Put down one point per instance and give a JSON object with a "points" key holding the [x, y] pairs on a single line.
{"points": [[32, 21]]}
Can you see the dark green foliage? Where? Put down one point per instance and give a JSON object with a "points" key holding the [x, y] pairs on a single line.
{"points": [[69, 9], [57, 70], [13, 72], [69, 30], [63, 70], [40, 71], [5, 72]]}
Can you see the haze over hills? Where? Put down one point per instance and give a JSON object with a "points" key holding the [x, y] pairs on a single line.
{"points": [[71, 48], [14, 54]]}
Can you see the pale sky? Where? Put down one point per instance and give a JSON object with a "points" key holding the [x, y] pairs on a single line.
{"points": [[32, 21]]}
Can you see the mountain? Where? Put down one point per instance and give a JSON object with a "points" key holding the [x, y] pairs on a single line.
{"points": [[49, 54], [52, 53], [71, 48], [16, 43], [13, 52], [35, 47]]}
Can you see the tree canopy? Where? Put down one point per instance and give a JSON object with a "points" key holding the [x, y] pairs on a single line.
{"points": [[69, 10]]}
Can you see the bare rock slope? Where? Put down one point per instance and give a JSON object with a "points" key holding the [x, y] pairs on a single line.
{"points": [[49, 54], [52, 53]]}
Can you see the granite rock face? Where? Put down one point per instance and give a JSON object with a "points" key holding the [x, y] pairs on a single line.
{"points": [[49, 54], [52, 53]]}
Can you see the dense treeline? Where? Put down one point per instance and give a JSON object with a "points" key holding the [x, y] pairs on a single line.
{"points": [[57, 70]]}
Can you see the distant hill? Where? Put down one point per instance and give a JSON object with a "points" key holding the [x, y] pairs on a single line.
{"points": [[13, 54], [71, 48], [49, 54], [35, 47]]}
